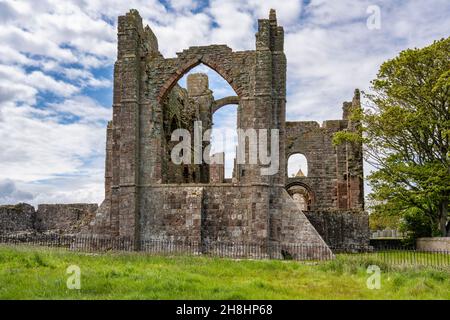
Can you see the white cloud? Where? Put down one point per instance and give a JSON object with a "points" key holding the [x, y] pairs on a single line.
{"points": [[33, 43], [181, 5], [11, 56], [17, 85], [332, 51], [174, 37], [10, 194], [288, 11], [36, 149], [82, 107], [326, 13], [45, 83], [230, 17]]}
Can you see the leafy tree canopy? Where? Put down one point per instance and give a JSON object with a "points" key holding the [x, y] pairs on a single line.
{"points": [[405, 131]]}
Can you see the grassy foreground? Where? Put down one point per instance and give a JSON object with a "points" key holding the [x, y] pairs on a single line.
{"points": [[36, 273]]}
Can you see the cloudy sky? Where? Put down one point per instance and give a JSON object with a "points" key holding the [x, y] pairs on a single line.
{"points": [[56, 61]]}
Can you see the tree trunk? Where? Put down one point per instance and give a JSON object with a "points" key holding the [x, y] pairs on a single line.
{"points": [[443, 216]]}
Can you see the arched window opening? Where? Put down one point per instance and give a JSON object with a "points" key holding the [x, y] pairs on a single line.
{"points": [[192, 100], [224, 138], [297, 166]]}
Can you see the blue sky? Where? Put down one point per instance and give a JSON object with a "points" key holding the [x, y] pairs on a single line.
{"points": [[56, 60]]}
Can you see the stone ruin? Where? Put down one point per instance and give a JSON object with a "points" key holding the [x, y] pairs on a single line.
{"points": [[148, 197], [62, 219]]}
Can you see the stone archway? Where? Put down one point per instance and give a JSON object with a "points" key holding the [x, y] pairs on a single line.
{"points": [[302, 195], [192, 100], [236, 68], [219, 58], [224, 102]]}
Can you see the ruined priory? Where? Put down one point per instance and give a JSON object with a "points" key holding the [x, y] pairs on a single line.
{"points": [[147, 196]]}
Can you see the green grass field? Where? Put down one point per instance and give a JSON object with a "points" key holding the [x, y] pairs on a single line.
{"points": [[36, 273]]}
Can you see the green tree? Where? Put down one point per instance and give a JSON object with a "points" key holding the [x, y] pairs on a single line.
{"points": [[405, 132]]}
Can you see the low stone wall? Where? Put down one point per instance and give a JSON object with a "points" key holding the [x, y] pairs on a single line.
{"points": [[433, 244], [223, 214], [64, 218], [236, 213], [17, 218], [57, 218], [341, 228], [205, 213]]}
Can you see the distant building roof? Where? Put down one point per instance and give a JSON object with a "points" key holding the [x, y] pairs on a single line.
{"points": [[299, 174]]}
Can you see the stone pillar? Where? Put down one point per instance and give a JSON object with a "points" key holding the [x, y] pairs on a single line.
{"points": [[149, 136], [355, 162], [259, 107], [130, 29], [279, 98], [115, 162], [341, 176], [108, 161]]}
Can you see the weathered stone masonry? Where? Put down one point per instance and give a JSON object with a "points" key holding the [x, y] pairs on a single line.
{"points": [[335, 177], [148, 197], [333, 190], [141, 201], [48, 218]]}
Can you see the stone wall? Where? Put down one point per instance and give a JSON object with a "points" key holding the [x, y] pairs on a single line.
{"points": [[64, 218], [58, 218], [235, 213], [335, 172], [334, 182], [434, 244], [17, 218], [210, 213], [341, 228], [205, 212], [171, 212]]}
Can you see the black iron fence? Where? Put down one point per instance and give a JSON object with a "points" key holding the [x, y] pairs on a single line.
{"points": [[402, 256], [237, 250]]}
